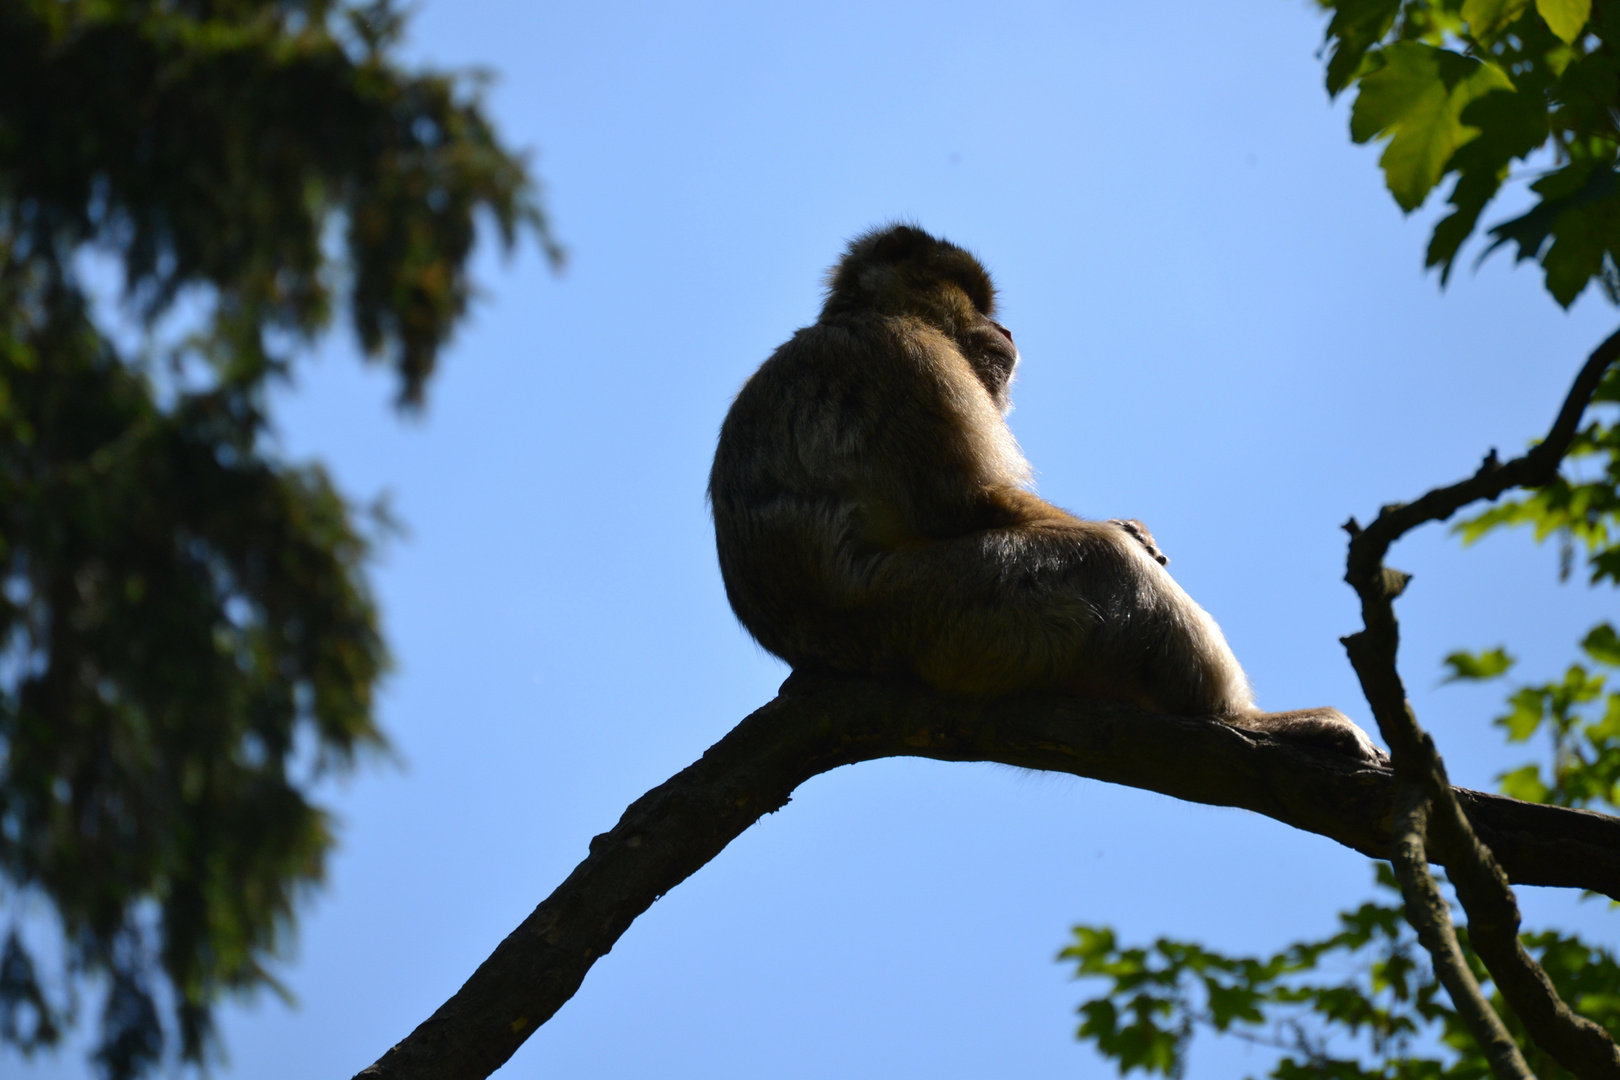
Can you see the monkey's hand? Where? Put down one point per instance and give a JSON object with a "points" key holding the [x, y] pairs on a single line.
{"points": [[1143, 537]]}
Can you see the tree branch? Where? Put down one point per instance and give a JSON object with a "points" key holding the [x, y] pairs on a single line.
{"points": [[1430, 916], [819, 723], [1533, 469], [1576, 1043]]}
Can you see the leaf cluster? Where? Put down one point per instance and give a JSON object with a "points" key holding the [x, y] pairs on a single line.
{"points": [[219, 144], [1579, 714], [187, 639], [1464, 90], [1384, 1019]]}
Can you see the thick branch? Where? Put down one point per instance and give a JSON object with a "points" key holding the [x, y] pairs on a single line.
{"points": [[821, 723]]}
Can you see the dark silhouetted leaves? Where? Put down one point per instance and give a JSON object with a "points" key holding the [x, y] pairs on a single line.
{"points": [[131, 1035], [1357, 26], [187, 639], [27, 1019]]}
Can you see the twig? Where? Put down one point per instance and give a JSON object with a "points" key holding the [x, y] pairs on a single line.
{"points": [[1533, 469]]}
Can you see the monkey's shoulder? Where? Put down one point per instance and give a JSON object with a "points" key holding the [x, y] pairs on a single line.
{"points": [[855, 378], [877, 420]]}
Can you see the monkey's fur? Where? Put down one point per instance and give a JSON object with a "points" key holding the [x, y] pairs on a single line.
{"points": [[872, 513]]}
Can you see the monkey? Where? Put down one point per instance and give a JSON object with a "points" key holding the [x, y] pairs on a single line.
{"points": [[874, 514]]}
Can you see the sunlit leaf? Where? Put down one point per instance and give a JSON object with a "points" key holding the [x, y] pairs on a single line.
{"points": [[1416, 97], [1524, 783], [1565, 17], [1477, 666], [1529, 706], [1486, 17]]}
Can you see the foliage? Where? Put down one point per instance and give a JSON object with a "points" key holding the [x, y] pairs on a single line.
{"points": [[1463, 89], [1583, 721], [1458, 89], [187, 641], [1367, 1024]]}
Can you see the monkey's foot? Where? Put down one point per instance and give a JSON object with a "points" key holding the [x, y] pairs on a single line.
{"points": [[1327, 728]]}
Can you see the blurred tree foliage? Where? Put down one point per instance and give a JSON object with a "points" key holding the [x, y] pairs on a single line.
{"points": [[1459, 90], [187, 641]]}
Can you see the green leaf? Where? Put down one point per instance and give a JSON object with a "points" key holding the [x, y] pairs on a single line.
{"points": [[1529, 706], [1565, 18], [1575, 258], [1603, 645], [1575, 212], [1512, 125], [1357, 26], [1477, 666], [1524, 783], [1486, 17], [1416, 97]]}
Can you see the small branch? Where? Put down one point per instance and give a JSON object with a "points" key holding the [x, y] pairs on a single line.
{"points": [[1430, 916], [819, 723], [1576, 1043], [1533, 469]]}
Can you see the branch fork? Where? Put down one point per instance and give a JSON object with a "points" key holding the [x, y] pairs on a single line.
{"points": [[1430, 822]]}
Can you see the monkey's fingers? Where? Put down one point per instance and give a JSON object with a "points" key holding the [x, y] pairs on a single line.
{"points": [[1143, 537]]}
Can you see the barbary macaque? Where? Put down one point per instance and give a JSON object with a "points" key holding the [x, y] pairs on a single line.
{"points": [[873, 514]]}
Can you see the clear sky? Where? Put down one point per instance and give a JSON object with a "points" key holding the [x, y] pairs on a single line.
{"points": [[1226, 332]]}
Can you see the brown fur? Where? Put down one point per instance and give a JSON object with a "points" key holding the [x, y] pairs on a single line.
{"points": [[873, 515]]}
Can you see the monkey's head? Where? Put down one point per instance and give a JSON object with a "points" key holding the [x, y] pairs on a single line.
{"points": [[901, 270]]}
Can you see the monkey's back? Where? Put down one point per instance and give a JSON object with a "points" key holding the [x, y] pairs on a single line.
{"points": [[842, 447]]}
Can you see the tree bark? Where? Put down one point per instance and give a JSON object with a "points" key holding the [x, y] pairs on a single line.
{"points": [[1430, 916], [818, 723]]}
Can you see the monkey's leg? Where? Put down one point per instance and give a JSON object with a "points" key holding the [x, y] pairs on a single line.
{"points": [[1328, 728], [1058, 604]]}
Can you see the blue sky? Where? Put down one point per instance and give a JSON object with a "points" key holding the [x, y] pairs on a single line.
{"points": [[1226, 333]]}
